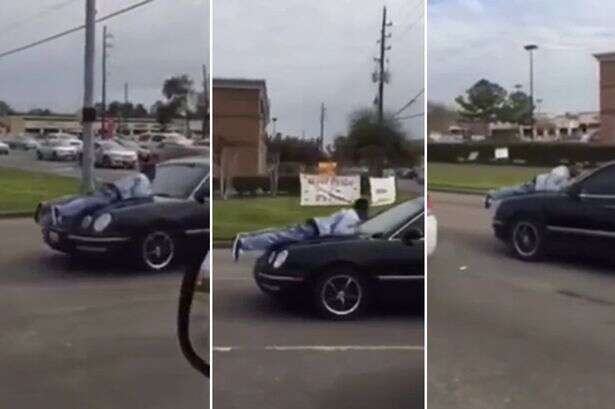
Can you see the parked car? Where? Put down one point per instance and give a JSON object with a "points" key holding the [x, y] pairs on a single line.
{"points": [[171, 150], [156, 223], [151, 140], [56, 149], [431, 228], [349, 271], [143, 154], [580, 216], [4, 148], [70, 138], [22, 142], [110, 154]]}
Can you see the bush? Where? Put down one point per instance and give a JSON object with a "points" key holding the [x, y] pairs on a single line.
{"points": [[525, 153], [250, 185]]}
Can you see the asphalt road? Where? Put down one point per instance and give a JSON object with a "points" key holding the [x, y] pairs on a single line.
{"points": [[79, 334], [268, 355], [26, 160], [507, 334]]}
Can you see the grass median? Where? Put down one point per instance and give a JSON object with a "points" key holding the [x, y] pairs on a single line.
{"points": [[473, 178], [247, 214], [21, 191]]}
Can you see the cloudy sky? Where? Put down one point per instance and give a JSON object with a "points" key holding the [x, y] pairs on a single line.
{"points": [[320, 51], [151, 43], [472, 39]]}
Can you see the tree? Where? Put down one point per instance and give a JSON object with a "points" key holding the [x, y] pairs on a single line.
{"points": [[139, 111], [483, 103], [40, 112], [179, 92], [372, 142], [5, 109], [440, 117], [517, 108]]}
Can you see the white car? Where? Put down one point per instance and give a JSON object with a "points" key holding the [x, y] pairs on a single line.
{"points": [[70, 138], [4, 148], [431, 228], [56, 149], [153, 140], [110, 154]]}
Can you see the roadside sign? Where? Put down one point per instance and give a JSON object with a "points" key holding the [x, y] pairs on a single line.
{"points": [[501, 153], [326, 190], [382, 190]]}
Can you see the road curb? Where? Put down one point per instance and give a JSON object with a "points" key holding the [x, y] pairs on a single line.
{"points": [[17, 215], [461, 191]]}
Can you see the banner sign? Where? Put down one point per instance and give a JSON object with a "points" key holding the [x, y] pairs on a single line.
{"points": [[325, 190], [382, 191]]}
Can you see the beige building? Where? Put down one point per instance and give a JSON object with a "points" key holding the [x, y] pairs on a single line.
{"points": [[240, 118], [607, 96], [41, 125]]}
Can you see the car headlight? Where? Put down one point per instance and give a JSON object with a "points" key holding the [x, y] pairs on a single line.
{"points": [[271, 257], [280, 259], [102, 222], [86, 222]]}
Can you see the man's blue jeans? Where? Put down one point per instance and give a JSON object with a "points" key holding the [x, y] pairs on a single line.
{"points": [[264, 239]]}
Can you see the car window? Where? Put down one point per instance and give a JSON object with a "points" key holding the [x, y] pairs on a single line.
{"points": [[144, 138], [178, 180], [601, 183], [393, 218], [157, 138], [418, 223]]}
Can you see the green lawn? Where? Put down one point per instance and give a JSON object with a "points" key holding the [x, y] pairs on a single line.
{"points": [[479, 178], [21, 191], [246, 214]]}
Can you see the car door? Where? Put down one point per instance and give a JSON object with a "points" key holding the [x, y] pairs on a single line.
{"points": [[597, 194]]}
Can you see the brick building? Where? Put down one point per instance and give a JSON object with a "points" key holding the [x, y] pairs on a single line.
{"points": [[607, 96], [240, 117]]}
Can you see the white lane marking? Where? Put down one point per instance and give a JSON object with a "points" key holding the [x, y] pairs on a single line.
{"points": [[321, 348]]}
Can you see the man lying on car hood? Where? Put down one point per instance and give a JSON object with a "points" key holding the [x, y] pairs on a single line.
{"points": [[555, 180]]}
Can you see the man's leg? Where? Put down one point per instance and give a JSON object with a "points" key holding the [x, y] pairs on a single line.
{"points": [[264, 239]]}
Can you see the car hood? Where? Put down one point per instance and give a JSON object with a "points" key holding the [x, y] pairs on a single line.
{"points": [[120, 152], [328, 240], [69, 211]]}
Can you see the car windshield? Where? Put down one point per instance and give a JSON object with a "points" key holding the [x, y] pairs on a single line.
{"points": [[133, 186], [178, 179], [391, 219], [59, 142], [110, 145]]}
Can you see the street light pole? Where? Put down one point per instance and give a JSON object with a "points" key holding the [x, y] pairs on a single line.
{"points": [[88, 113], [530, 49]]}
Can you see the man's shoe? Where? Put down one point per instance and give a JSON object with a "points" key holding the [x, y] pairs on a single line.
{"points": [[236, 247]]}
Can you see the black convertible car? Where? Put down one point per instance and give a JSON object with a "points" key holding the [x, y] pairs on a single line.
{"points": [[343, 274], [580, 216], [153, 223]]}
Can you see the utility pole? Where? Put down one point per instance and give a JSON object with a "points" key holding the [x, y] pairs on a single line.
{"points": [[88, 113], [125, 93], [105, 47], [530, 49], [322, 126], [382, 76]]}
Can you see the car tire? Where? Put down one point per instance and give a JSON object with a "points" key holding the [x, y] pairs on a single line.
{"points": [[157, 250], [527, 239], [39, 155], [106, 162], [54, 156], [340, 294]]}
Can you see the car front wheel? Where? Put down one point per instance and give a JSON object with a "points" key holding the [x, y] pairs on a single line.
{"points": [[341, 294], [527, 239], [157, 250]]}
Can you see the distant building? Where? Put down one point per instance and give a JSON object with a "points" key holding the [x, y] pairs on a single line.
{"points": [[240, 118], [41, 125], [607, 96]]}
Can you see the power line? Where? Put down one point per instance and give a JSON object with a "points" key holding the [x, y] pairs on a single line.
{"points": [[52, 8], [73, 30], [410, 116], [412, 101]]}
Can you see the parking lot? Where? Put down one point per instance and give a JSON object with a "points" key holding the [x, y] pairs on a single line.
{"points": [[282, 356], [90, 334], [26, 160], [508, 334]]}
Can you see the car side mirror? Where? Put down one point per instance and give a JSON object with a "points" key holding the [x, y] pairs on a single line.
{"points": [[202, 195], [411, 236]]}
